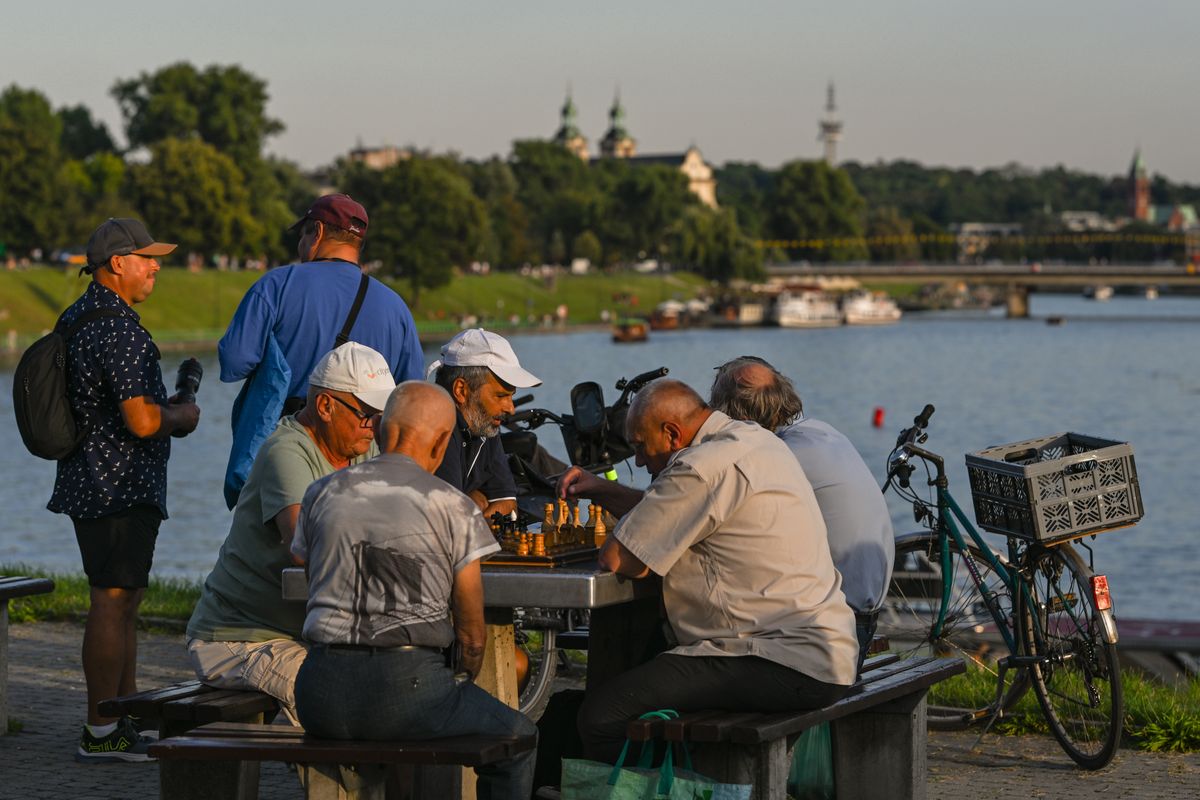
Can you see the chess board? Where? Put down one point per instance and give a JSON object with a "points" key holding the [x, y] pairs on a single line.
{"points": [[561, 538]]}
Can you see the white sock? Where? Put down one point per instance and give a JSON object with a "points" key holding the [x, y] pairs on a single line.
{"points": [[100, 731]]}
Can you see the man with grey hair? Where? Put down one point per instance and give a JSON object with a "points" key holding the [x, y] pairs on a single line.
{"points": [[751, 595], [243, 634], [860, 529], [481, 373]]}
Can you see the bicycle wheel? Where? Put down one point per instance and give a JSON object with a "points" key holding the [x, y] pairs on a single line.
{"points": [[539, 646], [910, 613], [1077, 678]]}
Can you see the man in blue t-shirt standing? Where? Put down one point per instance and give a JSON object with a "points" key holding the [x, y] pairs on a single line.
{"points": [[114, 486], [293, 316]]}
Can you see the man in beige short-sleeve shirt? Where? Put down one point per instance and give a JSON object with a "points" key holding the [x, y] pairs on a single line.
{"points": [[753, 599]]}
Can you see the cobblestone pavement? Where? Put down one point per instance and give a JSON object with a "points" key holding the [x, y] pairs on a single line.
{"points": [[46, 694]]}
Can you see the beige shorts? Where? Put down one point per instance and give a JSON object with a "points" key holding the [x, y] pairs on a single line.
{"points": [[268, 667]]}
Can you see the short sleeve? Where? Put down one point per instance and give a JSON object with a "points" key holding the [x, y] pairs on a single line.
{"points": [[677, 511], [472, 539], [300, 536], [286, 476]]}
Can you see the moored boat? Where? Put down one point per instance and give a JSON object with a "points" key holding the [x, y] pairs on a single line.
{"points": [[630, 330], [870, 308], [1100, 292], [806, 309]]}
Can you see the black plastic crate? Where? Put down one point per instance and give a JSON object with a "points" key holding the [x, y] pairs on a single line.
{"points": [[1056, 487]]}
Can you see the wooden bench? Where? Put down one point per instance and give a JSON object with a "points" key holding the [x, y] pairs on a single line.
{"points": [[878, 731], [184, 706], [11, 588], [328, 768]]}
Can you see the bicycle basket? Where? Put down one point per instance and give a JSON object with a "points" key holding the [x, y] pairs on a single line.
{"points": [[1055, 488]]}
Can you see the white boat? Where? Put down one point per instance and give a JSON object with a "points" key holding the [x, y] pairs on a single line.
{"points": [[807, 309], [870, 308], [1151, 293], [1100, 292]]}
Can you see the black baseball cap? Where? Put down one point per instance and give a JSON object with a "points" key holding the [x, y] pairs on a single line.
{"points": [[122, 237]]}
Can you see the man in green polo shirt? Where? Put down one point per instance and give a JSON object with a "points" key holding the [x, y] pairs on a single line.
{"points": [[243, 634]]}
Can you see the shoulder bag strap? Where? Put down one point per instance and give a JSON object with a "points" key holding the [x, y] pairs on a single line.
{"points": [[344, 336], [84, 319]]}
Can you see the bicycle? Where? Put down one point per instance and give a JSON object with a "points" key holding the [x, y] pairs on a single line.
{"points": [[1036, 615]]}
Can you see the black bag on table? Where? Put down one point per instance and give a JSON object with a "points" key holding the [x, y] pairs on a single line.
{"points": [[40, 400]]}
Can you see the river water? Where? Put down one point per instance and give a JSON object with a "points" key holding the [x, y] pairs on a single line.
{"points": [[1126, 370]]}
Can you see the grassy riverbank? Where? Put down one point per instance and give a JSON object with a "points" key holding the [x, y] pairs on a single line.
{"points": [[196, 306], [1157, 717]]}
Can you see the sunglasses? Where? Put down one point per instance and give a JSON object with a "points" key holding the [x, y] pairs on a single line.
{"points": [[365, 419]]}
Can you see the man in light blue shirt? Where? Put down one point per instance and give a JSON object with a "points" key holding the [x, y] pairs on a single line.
{"points": [[861, 538], [293, 316]]}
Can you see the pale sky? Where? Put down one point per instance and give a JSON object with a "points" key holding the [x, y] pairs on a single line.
{"points": [[949, 82]]}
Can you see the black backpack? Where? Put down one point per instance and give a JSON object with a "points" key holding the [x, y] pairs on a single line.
{"points": [[40, 399]]}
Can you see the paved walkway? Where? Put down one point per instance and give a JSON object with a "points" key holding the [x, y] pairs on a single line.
{"points": [[46, 693]]}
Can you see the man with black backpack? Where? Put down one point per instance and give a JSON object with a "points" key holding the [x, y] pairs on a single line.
{"points": [[113, 485]]}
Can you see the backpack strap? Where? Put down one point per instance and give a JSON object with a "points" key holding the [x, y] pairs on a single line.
{"points": [[344, 336], [84, 319]]}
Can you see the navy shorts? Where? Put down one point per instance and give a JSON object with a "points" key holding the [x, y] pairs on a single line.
{"points": [[118, 548]]}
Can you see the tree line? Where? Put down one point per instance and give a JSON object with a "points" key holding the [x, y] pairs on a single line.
{"points": [[194, 168]]}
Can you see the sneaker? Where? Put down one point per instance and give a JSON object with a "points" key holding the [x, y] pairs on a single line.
{"points": [[146, 729], [123, 744]]}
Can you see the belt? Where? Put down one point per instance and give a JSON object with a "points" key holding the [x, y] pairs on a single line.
{"points": [[866, 616], [373, 650]]}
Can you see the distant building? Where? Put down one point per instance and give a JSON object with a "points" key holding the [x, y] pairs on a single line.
{"points": [[973, 238], [1085, 221], [568, 134], [830, 128], [379, 157], [617, 143]]}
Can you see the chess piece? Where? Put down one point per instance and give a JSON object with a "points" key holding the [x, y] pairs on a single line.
{"points": [[577, 532], [600, 530], [564, 515], [549, 526], [523, 543], [539, 544]]}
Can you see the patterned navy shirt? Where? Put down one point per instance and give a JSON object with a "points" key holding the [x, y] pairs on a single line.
{"points": [[110, 359]]}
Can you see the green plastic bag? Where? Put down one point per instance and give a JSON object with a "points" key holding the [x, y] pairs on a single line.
{"points": [[811, 777], [591, 780]]}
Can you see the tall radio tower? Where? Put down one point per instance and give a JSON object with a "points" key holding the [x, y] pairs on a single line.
{"points": [[831, 128]]}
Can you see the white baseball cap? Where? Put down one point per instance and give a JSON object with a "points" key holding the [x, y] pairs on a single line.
{"points": [[357, 369], [479, 348]]}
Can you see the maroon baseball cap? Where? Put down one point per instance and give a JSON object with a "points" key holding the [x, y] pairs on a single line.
{"points": [[340, 210]]}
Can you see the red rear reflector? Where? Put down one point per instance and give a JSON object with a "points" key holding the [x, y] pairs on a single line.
{"points": [[1101, 593]]}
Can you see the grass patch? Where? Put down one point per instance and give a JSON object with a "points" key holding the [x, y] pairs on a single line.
{"points": [[1158, 717], [197, 306], [166, 598]]}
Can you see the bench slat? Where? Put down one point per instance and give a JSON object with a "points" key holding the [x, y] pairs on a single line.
{"points": [[248, 742], [148, 703], [14, 586], [896, 685], [220, 705]]}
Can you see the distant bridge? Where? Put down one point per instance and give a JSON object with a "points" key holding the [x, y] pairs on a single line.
{"points": [[1017, 279]]}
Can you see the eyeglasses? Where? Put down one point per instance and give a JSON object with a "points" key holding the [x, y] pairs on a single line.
{"points": [[365, 419]]}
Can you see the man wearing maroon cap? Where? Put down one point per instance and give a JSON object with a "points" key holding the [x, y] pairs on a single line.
{"points": [[296, 314]]}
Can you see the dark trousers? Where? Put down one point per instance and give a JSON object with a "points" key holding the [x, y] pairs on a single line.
{"points": [[390, 695], [694, 683], [864, 628]]}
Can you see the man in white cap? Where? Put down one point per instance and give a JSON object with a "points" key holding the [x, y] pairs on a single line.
{"points": [[481, 372], [242, 634]]}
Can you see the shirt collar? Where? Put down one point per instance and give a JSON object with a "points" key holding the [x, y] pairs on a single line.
{"points": [[711, 427], [104, 297]]}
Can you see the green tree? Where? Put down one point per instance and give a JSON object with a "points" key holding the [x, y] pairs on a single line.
{"points": [[557, 189], [890, 236], [81, 135], [508, 245], [641, 204], [812, 201], [31, 181], [92, 192], [587, 245], [744, 187], [424, 219], [224, 106], [710, 242], [194, 195]]}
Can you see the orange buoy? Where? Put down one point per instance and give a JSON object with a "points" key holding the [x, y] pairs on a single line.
{"points": [[877, 417]]}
